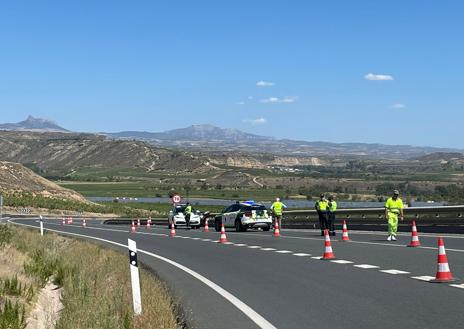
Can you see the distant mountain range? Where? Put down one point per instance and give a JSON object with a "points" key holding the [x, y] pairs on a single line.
{"points": [[207, 138], [33, 124]]}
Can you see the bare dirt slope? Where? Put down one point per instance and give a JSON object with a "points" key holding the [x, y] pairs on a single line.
{"points": [[15, 177]]}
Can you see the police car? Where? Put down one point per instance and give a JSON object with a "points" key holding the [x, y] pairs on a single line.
{"points": [[177, 217], [244, 215]]}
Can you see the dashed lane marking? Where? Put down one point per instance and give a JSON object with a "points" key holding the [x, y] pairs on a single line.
{"points": [[301, 254], [268, 249], [366, 266], [284, 251], [423, 278], [341, 261], [240, 245], [316, 257], [394, 272], [461, 286], [254, 247], [205, 240]]}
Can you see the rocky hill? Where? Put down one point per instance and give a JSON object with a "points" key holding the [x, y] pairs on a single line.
{"points": [[65, 152], [17, 178], [33, 124]]}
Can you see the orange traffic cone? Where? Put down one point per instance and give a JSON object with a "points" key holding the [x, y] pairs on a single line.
{"points": [[133, 227], [173, 230], [443, 270], [414, 237], [206, 228], [223, 238], [138, 222], [345, 236], [328, 253], [84, 223], [276, 228]]}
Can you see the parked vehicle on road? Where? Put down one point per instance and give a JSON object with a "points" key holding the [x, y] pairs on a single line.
{"points": [[244, 215], [177, 217]]}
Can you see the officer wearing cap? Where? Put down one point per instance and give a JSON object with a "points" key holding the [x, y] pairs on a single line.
{"points": [[321, 206], [393, 209], [277, 208]]}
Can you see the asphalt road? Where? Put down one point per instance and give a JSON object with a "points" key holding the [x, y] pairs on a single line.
{"points": [[278, 282]]}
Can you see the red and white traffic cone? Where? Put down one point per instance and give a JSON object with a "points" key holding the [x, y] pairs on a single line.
{"points": [[63, 221], [138, 222], [414, 237], [133, 229], [84, 223], [276, 228], [223, 238], [206, 228], [148, 223], [345, 236], [70, 220], [149, 220], [173, 230], [443, 270], [328, 253]]}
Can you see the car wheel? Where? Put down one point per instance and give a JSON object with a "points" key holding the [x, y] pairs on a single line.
{"points": [[217, 225], [267, 228]]}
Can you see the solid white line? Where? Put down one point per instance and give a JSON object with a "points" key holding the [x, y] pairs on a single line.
{"points": [[394, 272], [301, 254], [341, 261], [366, 266], [423, 278], [244, 308], [284, 251]]}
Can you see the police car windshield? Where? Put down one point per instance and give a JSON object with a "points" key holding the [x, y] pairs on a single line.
{"points": [[179, 209], [254, 207]]}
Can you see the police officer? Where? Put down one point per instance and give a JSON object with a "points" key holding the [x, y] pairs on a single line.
{"points": [[277, 208], [321, 207], [188, 212], [332, 208], [393, 208]]}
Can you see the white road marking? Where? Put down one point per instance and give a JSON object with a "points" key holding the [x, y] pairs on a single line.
{"points": [[244, 308], [196, 238], [228, 242], [268, 249], [301, 254], [284, 251], [461, 286], [341, 261], [394, 272], [366, 266], [205, 239], [254, 247], [240, 245], [423, 278], [316, 257]]}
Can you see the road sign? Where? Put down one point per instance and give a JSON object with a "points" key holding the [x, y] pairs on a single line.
{"points": [[176, 198]]}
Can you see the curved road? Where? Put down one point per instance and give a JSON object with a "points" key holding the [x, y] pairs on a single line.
{"points": [[281, 283]]}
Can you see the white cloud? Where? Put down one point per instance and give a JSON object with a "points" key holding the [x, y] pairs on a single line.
{"points": [[263, 83], [250, 97], [286, 99], [241, 103], [378, 77], [398, 106], [257, 121]]}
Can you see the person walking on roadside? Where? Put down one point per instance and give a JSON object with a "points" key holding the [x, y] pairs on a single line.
{"points": [[321, 207], [277, 209], [393, 209], [188, 212], [332, 208]]}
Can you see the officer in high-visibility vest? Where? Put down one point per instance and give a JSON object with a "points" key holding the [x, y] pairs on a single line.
{"points": [[321, 206], [332, 208], [393, 209], [188, 212], [277, 209]]}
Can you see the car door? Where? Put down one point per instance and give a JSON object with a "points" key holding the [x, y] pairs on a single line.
{"points": [[231, 215]]}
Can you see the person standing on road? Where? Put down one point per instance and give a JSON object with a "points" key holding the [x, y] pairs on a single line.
{"points": [[321, 207], [393, 208], [332, 208], [188, 212], [277, 208]]}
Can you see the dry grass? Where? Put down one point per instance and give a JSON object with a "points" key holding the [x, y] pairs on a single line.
{"points": [[96, 282]]}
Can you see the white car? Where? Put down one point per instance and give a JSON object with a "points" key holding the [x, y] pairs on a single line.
{"points": [[177, 217], [244, 215]]}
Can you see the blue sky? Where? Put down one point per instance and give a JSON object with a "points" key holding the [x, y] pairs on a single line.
{"points": [[158, 65]]}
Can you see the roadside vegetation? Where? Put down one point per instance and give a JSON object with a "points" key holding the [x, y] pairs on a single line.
{"points": [[95, 282]]}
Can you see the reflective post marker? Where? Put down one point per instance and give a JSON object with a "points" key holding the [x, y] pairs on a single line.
{"points": [[135, 280], [41, 226]]}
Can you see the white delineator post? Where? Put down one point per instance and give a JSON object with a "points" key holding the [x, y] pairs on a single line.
{"points": [[135, 279], [41, 226]]}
